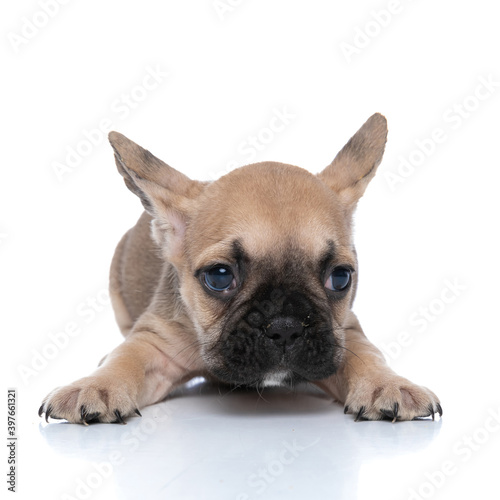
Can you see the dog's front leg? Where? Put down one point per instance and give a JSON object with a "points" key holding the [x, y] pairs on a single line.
{"points": [[369, 389], [139, 372]]}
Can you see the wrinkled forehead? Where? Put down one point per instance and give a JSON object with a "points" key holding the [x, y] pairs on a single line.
{"points": [[267, 244], [272, 219]]}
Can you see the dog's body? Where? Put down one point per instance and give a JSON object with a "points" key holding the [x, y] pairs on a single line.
{"points": [[248, 280]]}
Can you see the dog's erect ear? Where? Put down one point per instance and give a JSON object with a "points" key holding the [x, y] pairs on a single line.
{"points": [[356, 163], [166, 193]]}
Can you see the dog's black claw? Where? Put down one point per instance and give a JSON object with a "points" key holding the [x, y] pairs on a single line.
{"points": [[440, 410], [387, 413], [83, 415], [92, 418], [360, 413], [47, 413], [395, 411], [391, 414], [88, 418], [40, 410], [119, 418], [431, 412], [138, 412]]}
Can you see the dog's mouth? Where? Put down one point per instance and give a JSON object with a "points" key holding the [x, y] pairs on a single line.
{"points": [[252, 358]]}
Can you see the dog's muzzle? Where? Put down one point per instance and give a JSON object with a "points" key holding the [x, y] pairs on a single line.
{"points": [[283, 333]]}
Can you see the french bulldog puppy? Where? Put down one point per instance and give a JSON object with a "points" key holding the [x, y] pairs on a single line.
{"points": [[248, 280]]}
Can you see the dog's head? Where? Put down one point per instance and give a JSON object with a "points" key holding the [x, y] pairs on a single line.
{"points": [[264, 256]]}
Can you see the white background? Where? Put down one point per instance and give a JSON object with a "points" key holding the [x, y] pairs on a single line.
{"points": [[229, 70]]}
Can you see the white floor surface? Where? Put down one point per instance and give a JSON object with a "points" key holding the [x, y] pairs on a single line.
{"points": [[208, 443]]}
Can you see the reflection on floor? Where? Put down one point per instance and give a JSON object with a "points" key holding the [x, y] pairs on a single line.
{"points": [[213, 442]]}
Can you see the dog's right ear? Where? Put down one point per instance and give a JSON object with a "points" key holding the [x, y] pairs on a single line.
{"points": [[166, 193]]}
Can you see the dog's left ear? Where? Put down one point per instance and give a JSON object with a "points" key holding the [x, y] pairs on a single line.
{"points": [[356, 163]]}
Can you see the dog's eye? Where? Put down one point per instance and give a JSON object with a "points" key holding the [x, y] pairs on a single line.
{"points": [[339, 279], [219, 278]]}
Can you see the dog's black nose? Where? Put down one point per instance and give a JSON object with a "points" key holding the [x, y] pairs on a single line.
{"points": [[284, 330]]}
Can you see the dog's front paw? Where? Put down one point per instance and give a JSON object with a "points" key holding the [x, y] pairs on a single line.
{"points": [[391, 397], [90, 400]]}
